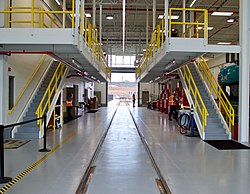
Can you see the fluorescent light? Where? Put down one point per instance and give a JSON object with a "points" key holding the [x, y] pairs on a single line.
{"points": [[224, 43], [160, 17], [230, 20], [174, 17], [191, 5], [109, 17], [144, 50], [200, 27], [88, 15], [221, 13], [157, 78], [210, 28], [58, 2]]}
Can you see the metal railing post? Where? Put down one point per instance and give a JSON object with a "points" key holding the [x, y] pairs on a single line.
{"points": [[2, 178], [44, 135]]}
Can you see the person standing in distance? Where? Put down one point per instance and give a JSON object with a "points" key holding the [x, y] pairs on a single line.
{"points": [[69, 105], [133, 100]]}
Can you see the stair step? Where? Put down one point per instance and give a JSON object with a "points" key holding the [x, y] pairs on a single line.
{"points": [[26, 135], [28, 129], [216, 136], [216, 131]]}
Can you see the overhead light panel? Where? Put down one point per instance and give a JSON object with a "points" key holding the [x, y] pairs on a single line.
{"points": [[157, 78], [193, 2], [144, 50], [160, 17], [230, 20], [58, 2], [210, 28], [224, 43], [174, 17], [221, 13], [109, 17], [88, 15]]}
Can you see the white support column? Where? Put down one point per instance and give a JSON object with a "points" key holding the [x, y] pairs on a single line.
{"points": [[154, 13], [244, 71], [94, 12], [147, 27], [184, 18], [64, 15], [3, 90], [166, 22], [100, 25], [77, 23], [83, 14]]}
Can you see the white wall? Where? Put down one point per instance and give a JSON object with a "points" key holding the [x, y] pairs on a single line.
{"points": [[22, 68], [216, 63], [102, 88]]}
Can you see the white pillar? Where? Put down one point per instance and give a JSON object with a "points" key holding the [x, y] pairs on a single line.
{"points": [[123, 25], [3, 90], [83, 14], [166, 21], [64, 15], [2, 7], [184, 18], [154, 13], [100, 25], [147, 27], [244, 71], [94, 11], [77, 22]]}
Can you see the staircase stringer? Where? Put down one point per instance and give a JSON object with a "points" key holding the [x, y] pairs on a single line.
{"points": [[53, 102], [214, 103], [31, 98], [190, 101]]}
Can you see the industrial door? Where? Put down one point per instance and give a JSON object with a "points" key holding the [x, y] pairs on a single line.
{"points": [[145, 97]]}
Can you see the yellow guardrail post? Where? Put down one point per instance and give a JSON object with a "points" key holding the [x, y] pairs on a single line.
{"points": [[73, 13], [33, 14]]}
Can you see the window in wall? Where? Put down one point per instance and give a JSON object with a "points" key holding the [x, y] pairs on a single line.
{"points": [[11, 92]]}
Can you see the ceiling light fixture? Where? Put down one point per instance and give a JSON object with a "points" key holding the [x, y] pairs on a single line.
{"points": [[157, 78], [160, 17], [88, 15], [191, 5], [224, 43], [174, 17], [230, 20], [221, 13], [210, 28], [109, 17], [58, 2]]}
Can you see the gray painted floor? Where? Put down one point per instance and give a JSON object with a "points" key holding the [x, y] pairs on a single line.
{"points": [[189, 165]]}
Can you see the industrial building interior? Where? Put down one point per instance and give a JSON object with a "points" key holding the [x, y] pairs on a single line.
{"points": [[66, 127]]}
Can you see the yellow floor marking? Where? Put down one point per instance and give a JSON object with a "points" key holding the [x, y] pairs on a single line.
{"points": [[26, 171]]}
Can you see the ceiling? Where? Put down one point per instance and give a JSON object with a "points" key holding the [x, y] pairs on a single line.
{"points": [[135, 38]]}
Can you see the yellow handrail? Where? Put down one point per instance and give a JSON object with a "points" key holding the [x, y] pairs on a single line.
{"points": [[45, 103], [158, 34], [27, 85], [199, 105], [91, 38], [224, 105]]}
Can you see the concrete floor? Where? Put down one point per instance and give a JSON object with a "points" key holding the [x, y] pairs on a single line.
{"points": [[189, 165]]}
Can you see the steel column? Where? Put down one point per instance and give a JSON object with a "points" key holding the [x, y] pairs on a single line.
{"points": [[94, 12], [3, 90], [244, 71]]}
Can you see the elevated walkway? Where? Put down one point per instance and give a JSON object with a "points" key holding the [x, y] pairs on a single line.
{"points": [[76, 45], [166, 53]]}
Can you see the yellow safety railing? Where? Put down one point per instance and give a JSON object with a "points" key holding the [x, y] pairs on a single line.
{"points": [[39, 17], [192, 29], [45, 103], [27, 85], [91, 38], [156, 41], [224, 105], [199, 105]]}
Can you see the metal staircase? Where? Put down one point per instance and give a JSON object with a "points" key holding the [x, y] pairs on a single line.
{"points": [[215, 129], [213, 113], [31, 130]]}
